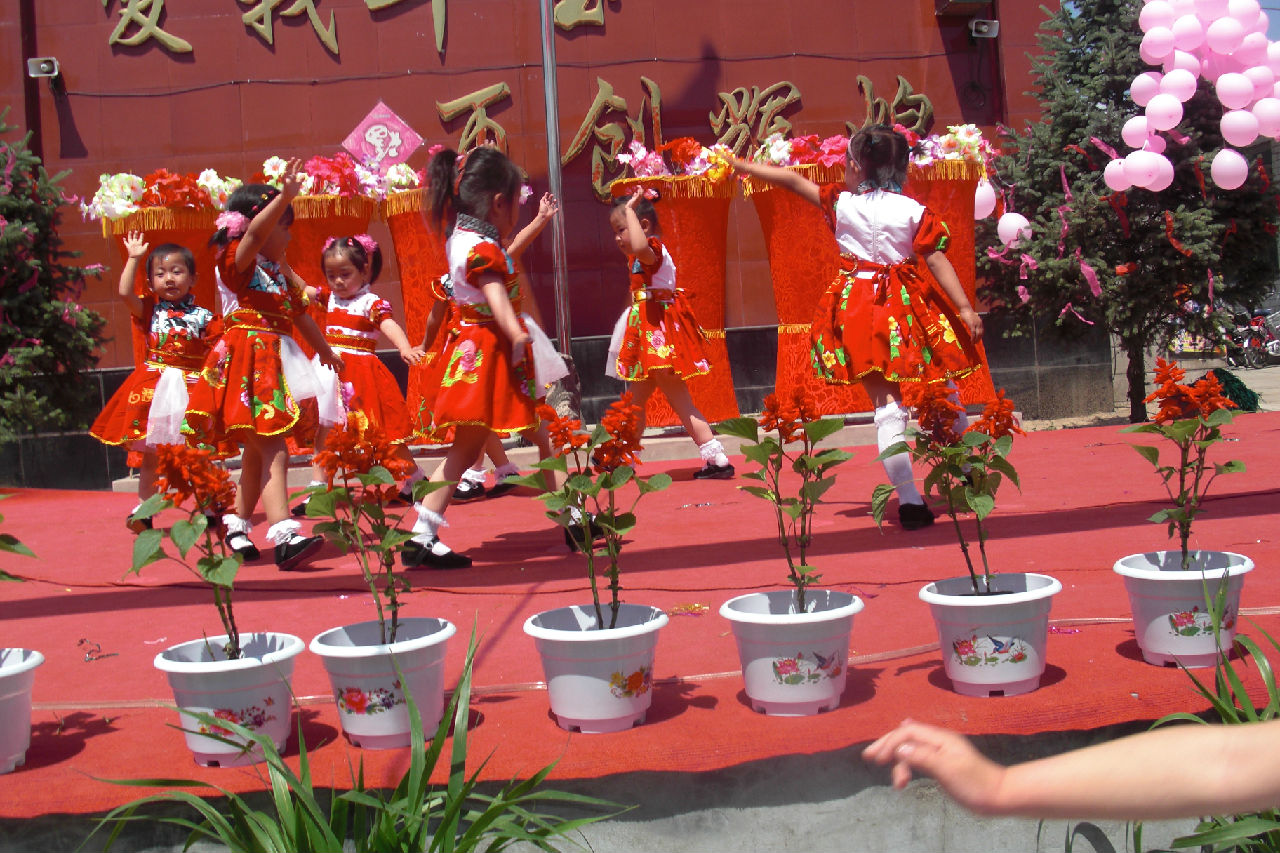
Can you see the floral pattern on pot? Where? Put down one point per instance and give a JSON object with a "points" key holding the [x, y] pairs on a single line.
{"points": [[630, 686], [1195, 622], [353, 700], [252, 718], [807, 669], [989, 651]]}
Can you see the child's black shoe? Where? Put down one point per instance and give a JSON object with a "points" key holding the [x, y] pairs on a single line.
{"points": [[297, 552], [415, 555], [914, 516], [712, 471], [467, 491], [240, 543]]}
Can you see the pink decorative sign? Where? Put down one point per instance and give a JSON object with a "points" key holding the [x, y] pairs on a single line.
{"points": [[382, 139]]}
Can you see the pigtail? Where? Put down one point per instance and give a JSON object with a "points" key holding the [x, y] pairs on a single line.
{"points": [[441, 198], [246, 202]]}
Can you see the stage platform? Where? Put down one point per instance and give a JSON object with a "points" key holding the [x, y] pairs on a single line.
{"points": [[100, 705]]}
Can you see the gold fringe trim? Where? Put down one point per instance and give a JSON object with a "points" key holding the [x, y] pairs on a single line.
{"points": [[161, 219], [938, 170], [815, 172], [794, 328], [404, 201], [676, 186], [713, 333], [324, 206]]}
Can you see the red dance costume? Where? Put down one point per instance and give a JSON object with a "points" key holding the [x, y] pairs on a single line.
{"points": [[657, 331], [351, 328], [881, 314], [243, 386], [478, 385], [180, 335]]}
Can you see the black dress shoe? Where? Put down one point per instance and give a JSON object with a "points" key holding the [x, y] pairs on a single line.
{"points": [[240, 543], [714, 472], [300, 510], [467, 491], [914, 516], [299, 552], [573, 535], [415, 555]]}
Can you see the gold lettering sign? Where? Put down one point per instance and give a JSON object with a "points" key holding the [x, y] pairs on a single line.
{"points": [[262, 19], [479, 127], [439, 10], [578, 13], [610, 133], [751, 116], [912, 111], [145, 16]]}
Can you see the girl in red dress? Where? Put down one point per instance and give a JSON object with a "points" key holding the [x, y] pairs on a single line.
{"points": [[881, 322], [485, 369], [354, 316], [657, 342], [253, 379], [148, 408]]}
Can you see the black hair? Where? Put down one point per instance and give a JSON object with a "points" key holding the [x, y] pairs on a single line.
{"points": [[369, 263], [468, 186], [881, 152], [643, 207], [164, 250], [249, 200]]}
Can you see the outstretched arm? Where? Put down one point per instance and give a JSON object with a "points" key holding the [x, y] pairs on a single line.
{"points": [[942, 270], [1219, 769], [136, 248], [548, 207], [255, 236], [396, 335], [779, 177]]}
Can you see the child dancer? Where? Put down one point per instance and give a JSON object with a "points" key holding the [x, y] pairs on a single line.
{"points": [[148, 408], [354, 317], [657, 342], [253, 379], [881, 322], [487, 382]]}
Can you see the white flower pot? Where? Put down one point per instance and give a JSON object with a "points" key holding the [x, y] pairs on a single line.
{"points": [[17, 675], [993, 644], [370, 678], [253, 691], [793, 664], [598, 680], [1170, 614]]}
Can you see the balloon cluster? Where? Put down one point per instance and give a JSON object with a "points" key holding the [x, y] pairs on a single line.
{"points": [[1223, 41]]}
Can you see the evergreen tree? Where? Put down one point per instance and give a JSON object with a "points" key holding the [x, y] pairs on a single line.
{"points": [[48, 341], [1154, 256]]}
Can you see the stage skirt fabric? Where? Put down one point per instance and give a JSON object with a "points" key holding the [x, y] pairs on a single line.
{"points": [[657, 332], [477, 384], [130, 416], [376, 394]]}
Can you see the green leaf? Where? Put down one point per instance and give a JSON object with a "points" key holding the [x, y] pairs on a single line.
{"points": [[1147, 428], [323, 501], [10, 543], [982, 505], [146, 548], [377, 476], [973, 438], [1220, 417], [1235, 466], [219, 571], [653, 483], [185, 533], [424, 487], [818, 430], [815, 489], [760, 492], [1149, 453], [745, 428], [893, 450], [759, 453], [880, 497]]}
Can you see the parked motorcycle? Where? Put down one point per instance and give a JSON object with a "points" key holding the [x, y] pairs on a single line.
{"points": [[1246, 342]]}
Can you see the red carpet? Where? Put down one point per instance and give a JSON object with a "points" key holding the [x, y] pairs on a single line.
{"points": [[1085, 501]]}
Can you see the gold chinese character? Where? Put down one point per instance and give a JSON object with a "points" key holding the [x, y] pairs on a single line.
{"points": [[752, 116], [579, 13], [145, 15], [438, 13], [611, 135], [479, 128], [261, 18], [912, 111]]}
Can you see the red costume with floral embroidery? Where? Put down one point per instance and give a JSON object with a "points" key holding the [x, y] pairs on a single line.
{"points": [[658, 330], [477, 382], [351, 328], [179, 334], [243, 386], [883, 313]]}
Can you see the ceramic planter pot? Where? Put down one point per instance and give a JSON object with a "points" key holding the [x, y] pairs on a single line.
{"points": [[17, 675], [793, 664], [1171, 617], [370, 678], [598, 680], [993, 645], [252, 691]]}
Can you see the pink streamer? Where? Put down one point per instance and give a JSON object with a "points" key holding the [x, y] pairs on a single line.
{"points": [[1180, 138], [1066, 188], [1028, 262], [1089, 276], [1024, 294], [1000, 255], [1104, 147], [30, 283], [1210, 290], [1071, 308], [1062, 235]]}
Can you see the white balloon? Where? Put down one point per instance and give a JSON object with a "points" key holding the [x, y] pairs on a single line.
{"points": [[1135, 132], [1157, 13], [1239, 127], [1141, 167], [1210, 10], [984, 200], [1163, 112], [1155, 143], [1114, 176], [1182, 7], [1164, 175], [1234, 90], [1012, 227], [1188, 33], [1267, 112], [1229, 170], [1179, 83]]}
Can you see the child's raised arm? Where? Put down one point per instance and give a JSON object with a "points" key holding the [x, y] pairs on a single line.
{"points": [[942, 270], [779, 177], [260, 227], [637, 240], [548, 207], [137, 249], [396, 335]]}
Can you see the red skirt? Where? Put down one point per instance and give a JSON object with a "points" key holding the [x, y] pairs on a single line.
{"points": [[658, 334], [242, 390], [476, 385], [888, 320], [377, 394], [124, 419]]}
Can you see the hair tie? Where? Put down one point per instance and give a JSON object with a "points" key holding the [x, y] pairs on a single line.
{"points": [[328, 244], [369, 244], [235, 223]]}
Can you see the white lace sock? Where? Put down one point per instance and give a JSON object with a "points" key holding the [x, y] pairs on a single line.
{"points": [[891, 428], [284, 532], [427, 527], [235, 524], [406, 485], [475, 476], [502, 472], [712, 453]]}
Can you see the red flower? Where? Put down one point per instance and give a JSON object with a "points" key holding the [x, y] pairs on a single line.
{"points": [[622, 423], [357, 448], [997, 418], [355, 700], [1181, 402], [186, 472], [806, 149], [167, 189], [937, 413], [682, 151], [565, 433]]}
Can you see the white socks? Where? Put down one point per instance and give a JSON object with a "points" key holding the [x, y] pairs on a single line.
{"points": [[502, 472], [891, 428], [406, 485], [426, 528], [284, 532], [475, 476], [712, 453], [235, 524]]}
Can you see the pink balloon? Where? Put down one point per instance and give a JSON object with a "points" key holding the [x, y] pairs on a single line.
{"points": [[1184, 60], [1134, 133], [1157, 13], [1239, 127], [1234, 90], [1244, 11], [1163, 112], [984, 200], [1273, 56], [1114, 176], [1229, 169], [1188, 33], [1275, 90], [1252, 50], [1140, 167], [1223, 36], [1144, 86], [1179, 83], [1267, 112], [1210, 10], [1262, 79], [1214, 66], [1263, 24], [1012, 227], [1164, 175], [1182, 7], [1154, 143], [1158, 41]]}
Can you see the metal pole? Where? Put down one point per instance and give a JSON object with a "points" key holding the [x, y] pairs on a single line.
{"points": [[552, 101]]}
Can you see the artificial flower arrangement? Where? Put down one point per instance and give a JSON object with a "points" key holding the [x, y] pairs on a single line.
{"points": [[185, 474], [682, 156], [966, 469], [960, 142], [1191, 417], [338, 175], [586, 505], [123, 193], [795, 421], [779, 150]]}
